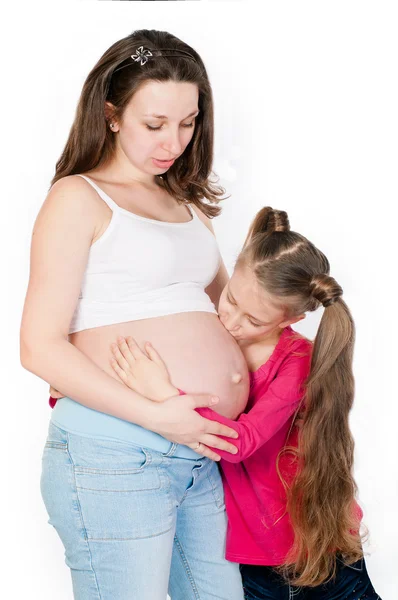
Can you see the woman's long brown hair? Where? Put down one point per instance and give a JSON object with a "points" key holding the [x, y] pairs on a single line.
{"points": [[114, 79], [321, 499]]}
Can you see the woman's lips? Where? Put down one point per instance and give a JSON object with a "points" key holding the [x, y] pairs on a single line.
{"points": [[163, 164]]}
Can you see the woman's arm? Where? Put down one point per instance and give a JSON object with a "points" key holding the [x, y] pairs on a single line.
{"points": [[217, 285], [68, 222], [61, 240]]}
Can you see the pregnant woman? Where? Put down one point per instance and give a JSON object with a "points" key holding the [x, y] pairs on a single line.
{"points": [[123, 246]]}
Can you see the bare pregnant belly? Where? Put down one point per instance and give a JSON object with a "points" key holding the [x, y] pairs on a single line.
{"points": [[201, 356]]}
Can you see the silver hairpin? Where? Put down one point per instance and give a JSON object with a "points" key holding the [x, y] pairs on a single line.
{"points": [[141, 55]]}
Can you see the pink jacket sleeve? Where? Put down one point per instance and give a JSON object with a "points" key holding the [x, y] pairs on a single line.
{"points": [[269, 413]]}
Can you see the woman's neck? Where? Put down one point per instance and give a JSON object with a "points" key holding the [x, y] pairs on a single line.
{"points": [[118, 170]]}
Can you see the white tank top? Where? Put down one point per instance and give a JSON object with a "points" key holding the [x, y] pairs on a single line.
{"points": [[142, 268]]}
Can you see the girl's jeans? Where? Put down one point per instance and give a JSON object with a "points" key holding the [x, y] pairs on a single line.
{"points": [[137, 523], [351, 583]]}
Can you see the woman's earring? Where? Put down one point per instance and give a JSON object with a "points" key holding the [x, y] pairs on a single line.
{"points": [[112, 125]]}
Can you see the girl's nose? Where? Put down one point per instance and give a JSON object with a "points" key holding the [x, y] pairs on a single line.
{"points": [[232, 323]]}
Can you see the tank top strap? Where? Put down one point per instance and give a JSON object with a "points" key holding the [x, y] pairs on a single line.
{"points": [[193, 212], [107, 199]]}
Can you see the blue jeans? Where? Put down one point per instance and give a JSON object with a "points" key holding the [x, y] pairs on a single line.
{"points": [[351, 583], [137, 523]]}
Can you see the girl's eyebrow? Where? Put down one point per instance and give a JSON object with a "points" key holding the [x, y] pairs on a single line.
{"points": [[194, 113], [247, 314]]}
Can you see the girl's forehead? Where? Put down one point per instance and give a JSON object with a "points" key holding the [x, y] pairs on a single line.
{"points": [[251, 297]]}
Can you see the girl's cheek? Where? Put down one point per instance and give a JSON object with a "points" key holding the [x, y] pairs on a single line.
{"points": [[221, 306]]}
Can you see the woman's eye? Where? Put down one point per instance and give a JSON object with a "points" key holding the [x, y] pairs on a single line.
{"points": [[153, 128], [187, 125]]}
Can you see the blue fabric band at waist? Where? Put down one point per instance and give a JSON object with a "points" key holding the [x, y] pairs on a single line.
{"points": [[76, 418]]}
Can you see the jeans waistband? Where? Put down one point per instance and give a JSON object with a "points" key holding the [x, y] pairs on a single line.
{"points": [[76, 418]]}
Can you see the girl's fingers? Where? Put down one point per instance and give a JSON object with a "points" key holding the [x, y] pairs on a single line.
{"points": [[55, 393], [125, 350], [134, 348], [120, 373], [153, 354], [122, 362]]}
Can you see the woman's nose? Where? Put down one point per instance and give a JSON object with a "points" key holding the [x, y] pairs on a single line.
{"points": [[173, 143]]}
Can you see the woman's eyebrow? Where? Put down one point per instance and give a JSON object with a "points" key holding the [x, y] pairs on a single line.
{"points": [[194, 113]]}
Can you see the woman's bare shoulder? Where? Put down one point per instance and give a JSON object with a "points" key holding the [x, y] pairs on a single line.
{"points": [[73, 188], [74, 196], [71, 205]]}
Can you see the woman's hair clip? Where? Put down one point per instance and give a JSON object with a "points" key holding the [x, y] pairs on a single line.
{"points": [[141, 55]]}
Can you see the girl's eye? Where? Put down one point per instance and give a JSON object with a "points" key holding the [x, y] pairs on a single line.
{"points": [[189, 124], [255, 324], [229, 300]]}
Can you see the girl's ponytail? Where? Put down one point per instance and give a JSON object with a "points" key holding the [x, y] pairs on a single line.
{"points": [[321, 501], [268, 220]]}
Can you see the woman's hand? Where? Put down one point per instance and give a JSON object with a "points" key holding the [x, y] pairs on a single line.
{"points": [[143, 372], [177, 420]]}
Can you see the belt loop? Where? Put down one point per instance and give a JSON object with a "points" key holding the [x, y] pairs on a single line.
{"points": [[172, 450]]}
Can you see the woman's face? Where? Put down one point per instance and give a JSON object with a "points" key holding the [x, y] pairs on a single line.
{"points": [[247, 311], [157, 125]]}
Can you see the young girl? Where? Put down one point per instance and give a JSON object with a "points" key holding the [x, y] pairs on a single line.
{"points": [[289, 490]]}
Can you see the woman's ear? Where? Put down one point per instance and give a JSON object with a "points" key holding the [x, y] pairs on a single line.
{"points": [[109, 111]]}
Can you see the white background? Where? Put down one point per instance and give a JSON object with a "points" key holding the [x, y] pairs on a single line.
{"points": [[306, 120]]}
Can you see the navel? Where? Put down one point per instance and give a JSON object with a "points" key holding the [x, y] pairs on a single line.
{"points": [[236, 378]]}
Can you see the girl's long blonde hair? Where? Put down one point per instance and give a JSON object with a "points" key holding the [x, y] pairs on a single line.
{"points": [[321, 499]]}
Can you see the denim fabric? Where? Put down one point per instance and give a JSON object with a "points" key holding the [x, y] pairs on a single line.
{"points": [[71, 416], [136, 523], [351, 583]]}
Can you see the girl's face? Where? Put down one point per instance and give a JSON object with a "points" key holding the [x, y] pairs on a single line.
{"points": [[157, 125], [248, 312]]}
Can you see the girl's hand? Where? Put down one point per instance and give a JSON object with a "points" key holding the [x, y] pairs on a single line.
{"points": [[143, 372], [55, 393], [177, 420]]}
